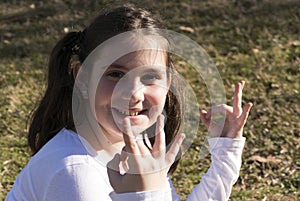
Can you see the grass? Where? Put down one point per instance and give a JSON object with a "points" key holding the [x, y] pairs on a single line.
{"points": [[254, 40]]}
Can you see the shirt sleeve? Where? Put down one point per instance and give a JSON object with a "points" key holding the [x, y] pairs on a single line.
{"points": [[216, 184], [226, 159]]}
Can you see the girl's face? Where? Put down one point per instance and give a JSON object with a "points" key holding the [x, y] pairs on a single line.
{"points": [[135, 85]]}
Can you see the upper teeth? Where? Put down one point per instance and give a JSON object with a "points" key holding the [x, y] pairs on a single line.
{"points": [[128, 113]]}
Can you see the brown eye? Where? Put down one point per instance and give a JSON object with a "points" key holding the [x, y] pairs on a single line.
{"points": [[115, 75]]}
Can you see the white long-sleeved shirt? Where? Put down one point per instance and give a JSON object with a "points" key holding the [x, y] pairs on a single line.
{"points": [[64, 170]]}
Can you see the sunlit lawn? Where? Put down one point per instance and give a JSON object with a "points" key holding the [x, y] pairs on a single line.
{"points": [[254, 40]]}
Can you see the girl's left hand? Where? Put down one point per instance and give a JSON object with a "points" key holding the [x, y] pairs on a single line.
{"points": [[231, 119], [146, 169]]}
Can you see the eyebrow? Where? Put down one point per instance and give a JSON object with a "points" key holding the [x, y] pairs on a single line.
{"points": [[152, 68], [117, 66]]}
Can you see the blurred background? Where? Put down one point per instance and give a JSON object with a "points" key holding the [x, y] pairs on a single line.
{"points": [[253, 40]]}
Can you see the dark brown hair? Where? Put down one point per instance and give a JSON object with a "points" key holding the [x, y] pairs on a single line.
{"points": [[55, 109]]}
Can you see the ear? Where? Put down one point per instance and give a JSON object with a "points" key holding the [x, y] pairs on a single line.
{"points": [[75, 68], [170, 78], [169, 81]]}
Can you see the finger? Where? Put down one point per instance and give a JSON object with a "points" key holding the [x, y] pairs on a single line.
{"points": [[142, 147], [125, 166], [237, 98], [245, 113], [220, 109], [174, 149], [205, 117], [130, 142], [219, 113], [159, 146], [113, 170], [124, 155], [215, 114], [123, 159]]}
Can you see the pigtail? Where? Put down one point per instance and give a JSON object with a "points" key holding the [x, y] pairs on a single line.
{"points": [[55, 109]]}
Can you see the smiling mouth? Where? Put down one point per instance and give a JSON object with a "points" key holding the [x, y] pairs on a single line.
{"points": [[129, 113]]}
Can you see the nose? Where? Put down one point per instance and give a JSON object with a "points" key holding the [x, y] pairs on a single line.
{"points": [[133, 92]]}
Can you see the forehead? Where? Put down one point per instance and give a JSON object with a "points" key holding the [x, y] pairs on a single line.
{"points": [[143, 58]]}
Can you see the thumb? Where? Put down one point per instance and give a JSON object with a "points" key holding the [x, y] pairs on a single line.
{"points": [[113, 171]]}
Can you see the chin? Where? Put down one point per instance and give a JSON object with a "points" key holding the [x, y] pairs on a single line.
{"points": [[137, 130]]}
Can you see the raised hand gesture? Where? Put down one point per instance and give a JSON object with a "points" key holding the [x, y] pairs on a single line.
{"points": [[234, 119], [146, 169]]}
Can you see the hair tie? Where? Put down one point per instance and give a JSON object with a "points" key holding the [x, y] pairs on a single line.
{"points": [[76, 45], [74, 42], [81, 35]]}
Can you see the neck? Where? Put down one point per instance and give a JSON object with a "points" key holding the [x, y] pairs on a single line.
{"points": [[103, 148], [102, 145]]}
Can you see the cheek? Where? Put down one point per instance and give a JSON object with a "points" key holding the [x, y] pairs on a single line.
{"points": [[104, 92], [157, 97], [161, 98]]}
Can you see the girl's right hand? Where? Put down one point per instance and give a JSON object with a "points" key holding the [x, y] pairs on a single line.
{"points": [[147, 169]]}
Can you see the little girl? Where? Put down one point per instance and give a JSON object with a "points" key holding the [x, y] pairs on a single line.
{"points": [[122, 142]]}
